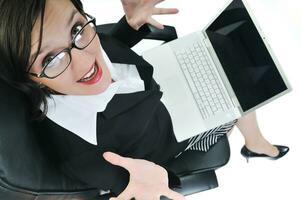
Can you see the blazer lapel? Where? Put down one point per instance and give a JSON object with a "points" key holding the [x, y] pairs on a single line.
{"points": [[124, 102], [120, 53]]}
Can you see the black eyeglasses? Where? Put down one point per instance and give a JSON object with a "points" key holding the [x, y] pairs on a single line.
{"points": [[54, 66]]}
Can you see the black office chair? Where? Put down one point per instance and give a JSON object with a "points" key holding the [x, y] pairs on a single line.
{"points": [[26, 174]]}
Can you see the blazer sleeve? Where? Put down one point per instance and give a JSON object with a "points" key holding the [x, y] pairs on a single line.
{"points": [[126, 34], [91, 168]]}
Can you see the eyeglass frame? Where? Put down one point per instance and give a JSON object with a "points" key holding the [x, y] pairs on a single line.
{"points": [[42, 74]]}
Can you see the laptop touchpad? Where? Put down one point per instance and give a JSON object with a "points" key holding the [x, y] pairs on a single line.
{"points": [[174, 92]]}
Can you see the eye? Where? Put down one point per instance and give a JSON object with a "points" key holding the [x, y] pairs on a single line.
{"points": [[47, 60], [76, 29]]}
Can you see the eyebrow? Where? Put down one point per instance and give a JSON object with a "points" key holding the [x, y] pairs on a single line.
{"points": [[74, 12], [35, 55]]}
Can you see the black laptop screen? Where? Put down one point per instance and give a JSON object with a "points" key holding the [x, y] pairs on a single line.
{"points": [[244, 57]]}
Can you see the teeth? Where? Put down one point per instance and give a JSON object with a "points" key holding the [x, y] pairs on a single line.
{"points": [[91, 72], [89, 75]]}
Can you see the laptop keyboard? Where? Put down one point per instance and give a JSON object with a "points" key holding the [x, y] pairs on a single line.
{"points": [[202, 80]]}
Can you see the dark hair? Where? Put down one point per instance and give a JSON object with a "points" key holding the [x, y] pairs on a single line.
{"points": [[17, 21]]}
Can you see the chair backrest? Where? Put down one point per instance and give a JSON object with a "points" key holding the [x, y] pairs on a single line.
{"points": [[24, 169]]}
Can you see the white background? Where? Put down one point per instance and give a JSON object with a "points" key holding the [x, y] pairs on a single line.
{"points": [[279, 120]]}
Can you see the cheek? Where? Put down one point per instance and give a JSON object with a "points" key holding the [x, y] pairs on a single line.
{"points": [[61, 84], [95, 44]]}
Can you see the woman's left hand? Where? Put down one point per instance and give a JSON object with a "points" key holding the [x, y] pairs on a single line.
{"points": [[139, 12], [147, 179]]}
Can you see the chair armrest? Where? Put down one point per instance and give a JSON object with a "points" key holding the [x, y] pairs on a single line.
{"points": [[190, 162], [167, 34], [196, 170]]}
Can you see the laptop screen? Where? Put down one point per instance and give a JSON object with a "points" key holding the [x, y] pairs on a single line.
{"points": [[244, 57]]}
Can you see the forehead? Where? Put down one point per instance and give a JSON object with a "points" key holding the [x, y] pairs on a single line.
{"points": [[57, 14], [56, 17]]}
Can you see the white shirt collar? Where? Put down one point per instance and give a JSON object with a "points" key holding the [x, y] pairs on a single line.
{"points": [[78, 113]]}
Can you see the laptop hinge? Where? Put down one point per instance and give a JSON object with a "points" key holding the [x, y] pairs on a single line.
{"points": [[207, 42]]}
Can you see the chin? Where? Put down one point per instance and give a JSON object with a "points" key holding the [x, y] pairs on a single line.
{"points": [[99, 88]]}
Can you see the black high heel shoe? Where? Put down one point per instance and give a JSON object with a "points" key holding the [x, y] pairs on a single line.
{"points": [[245, 152]]}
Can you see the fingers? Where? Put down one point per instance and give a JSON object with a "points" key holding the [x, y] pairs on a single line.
{"points": [[155, 23], [161, 11], [127, 194], [116, 159], [164, 11], [173, 195]]}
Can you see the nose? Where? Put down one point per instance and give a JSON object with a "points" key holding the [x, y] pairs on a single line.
{"points": [[81, 61]]}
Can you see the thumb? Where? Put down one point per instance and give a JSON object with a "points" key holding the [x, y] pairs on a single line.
{"points": [[116, 159], [155, 23]]}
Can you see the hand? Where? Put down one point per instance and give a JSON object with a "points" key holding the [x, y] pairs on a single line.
{"points": [[148, 181], [139, 12]]}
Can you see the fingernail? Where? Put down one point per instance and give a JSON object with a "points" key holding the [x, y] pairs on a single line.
{"points": [[105, 154]]}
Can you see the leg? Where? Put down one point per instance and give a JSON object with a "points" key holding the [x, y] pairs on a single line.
{"points": [[254, 139]]}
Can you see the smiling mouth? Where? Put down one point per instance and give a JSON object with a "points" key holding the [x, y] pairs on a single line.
{"points": [[89, 75], [92, 76]]}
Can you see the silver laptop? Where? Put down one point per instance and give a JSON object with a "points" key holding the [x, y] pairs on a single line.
{"points": [[217, 74]]}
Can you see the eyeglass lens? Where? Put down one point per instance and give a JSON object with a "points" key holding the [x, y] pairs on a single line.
{"points": [[62, 60]]}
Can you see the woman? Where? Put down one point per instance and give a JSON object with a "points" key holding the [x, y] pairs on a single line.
{"points": [[102, 92]]}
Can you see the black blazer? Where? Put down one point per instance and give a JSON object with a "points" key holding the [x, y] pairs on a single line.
{"points": [[135, 125]]}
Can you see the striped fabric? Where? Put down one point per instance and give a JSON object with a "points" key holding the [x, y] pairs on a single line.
{"points": [[205, 140]]}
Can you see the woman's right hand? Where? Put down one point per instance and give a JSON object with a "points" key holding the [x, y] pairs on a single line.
{"points": [[148, 181], [139, 12]]}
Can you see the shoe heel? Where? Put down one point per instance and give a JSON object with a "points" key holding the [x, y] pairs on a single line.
{"points": [[247, 158]]}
